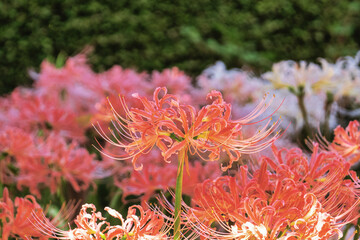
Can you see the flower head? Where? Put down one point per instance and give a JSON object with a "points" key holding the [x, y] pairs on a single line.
{"points": [[37, 113], [90, 224], [173, 127], [15, 145], [53, 161], [347, 141], [325, 174], [263, 206], [17, 217]]}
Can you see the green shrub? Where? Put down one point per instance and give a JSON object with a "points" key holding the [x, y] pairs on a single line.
{"points": [[149, 35]]}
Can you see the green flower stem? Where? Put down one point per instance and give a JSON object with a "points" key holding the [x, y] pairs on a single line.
{"points": [[328, 104], [115, 199], [61, 191], [301, 96], [178, 194]]}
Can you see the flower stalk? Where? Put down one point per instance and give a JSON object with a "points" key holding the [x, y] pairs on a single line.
{"points": [[301, 95], [178, 193], [328, 104]]}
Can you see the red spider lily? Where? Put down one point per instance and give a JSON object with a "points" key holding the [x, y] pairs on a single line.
{"points": [[149, 225], [89, 226], [19, 223], [347, 141], [180, 129], [325, 175], [311, 223], [172, 127], [221, 198], [264, 206], [92, 225], [216, 196]]}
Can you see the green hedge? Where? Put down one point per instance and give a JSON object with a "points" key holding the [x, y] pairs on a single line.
{"points": [[149, 35]]}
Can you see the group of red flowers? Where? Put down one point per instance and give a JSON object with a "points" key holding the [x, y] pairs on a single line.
{"points": [[241, 183]]}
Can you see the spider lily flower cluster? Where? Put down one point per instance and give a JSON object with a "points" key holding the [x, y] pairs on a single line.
{"points": [[179, 129], [38, 163], [239, 183], [291, 196]]}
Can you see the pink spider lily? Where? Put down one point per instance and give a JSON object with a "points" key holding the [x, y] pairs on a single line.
{"points": [[347, 141], [36, 162], [15, 144], [72, 87], [47, 161], [32, 112], [172, 127]]}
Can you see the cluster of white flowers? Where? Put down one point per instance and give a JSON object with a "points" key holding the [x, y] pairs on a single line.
{"points": [[318, 86]]}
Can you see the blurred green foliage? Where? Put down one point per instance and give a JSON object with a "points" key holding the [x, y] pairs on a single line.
{"points": [[148, 35]]}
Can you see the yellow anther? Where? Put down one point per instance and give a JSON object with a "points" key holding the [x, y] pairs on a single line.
{"points": [[204, 134], [162, 133], [205, 119]]}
